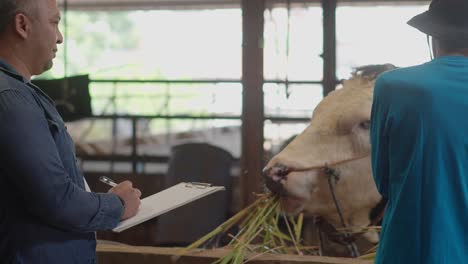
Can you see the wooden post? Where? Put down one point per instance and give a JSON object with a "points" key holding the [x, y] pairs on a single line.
{"points": [[329, 46], [252, 99]]}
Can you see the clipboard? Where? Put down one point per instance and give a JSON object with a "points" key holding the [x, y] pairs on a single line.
{"points": [[167, 200]]}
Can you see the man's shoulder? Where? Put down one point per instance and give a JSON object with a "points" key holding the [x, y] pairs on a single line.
{"points": [[406, 78], [405, 81], [8, 82], [405, 73], [14, 91]]}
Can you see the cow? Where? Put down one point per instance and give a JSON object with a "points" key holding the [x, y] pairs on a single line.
{"points": [[326, 172]]}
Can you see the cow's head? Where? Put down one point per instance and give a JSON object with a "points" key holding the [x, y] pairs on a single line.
{"points": [[337, 139]]}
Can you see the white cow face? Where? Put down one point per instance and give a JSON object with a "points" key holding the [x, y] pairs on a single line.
{"points": [[337, 138]]}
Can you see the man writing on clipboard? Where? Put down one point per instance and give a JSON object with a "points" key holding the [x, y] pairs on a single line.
{"points": [[46, 215]]}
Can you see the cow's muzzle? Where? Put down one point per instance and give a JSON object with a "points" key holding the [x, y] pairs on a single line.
{"points": [[275, 176]]}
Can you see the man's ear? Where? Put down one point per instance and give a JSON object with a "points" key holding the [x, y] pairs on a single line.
{"points": [[22, 25]]}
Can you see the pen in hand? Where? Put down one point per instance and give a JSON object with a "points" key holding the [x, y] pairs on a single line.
{"points": [[107, 181], [129, 196]]}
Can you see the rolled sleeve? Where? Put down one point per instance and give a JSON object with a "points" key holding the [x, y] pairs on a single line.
{"points": [[110, 211]]}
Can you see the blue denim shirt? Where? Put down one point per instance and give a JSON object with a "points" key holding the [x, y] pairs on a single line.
{"points": [[46, 215]]}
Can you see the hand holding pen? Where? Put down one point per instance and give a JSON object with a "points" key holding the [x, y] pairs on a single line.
{"points": [[129, 196]]}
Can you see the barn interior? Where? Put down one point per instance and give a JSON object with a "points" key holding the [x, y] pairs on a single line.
{"points": [[160, 92]]}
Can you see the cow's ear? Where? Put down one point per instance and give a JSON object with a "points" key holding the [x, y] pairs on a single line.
{"points": [[365, 124]]}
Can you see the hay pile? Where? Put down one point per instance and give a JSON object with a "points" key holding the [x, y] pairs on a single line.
{"points": [[260, 233]]}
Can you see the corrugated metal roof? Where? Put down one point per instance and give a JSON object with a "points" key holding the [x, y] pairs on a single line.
{"points": [[201, 4], [147, 4]]}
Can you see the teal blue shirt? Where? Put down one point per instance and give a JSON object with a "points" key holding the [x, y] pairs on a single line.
{"points": [[419, 137]]}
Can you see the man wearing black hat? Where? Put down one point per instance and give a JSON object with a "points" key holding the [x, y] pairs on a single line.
{"points": [[419, 137]]}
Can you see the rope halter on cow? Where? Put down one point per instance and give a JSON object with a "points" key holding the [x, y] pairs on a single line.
{"points": [[340, 237], [333, 178]]}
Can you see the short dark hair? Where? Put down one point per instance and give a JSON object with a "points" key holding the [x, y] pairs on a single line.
{"points": [[9, 8], [452, 45]]}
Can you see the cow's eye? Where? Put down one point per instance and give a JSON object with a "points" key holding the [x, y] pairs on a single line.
{"points": [[365, 125]]}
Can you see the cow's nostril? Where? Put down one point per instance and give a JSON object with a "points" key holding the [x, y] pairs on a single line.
{"points": [[281, 171], [277, 172], [274, 175], [272, 185], [266, 172]]}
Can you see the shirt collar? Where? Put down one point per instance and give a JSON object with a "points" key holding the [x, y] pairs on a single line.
{"points": [[8, 69]]}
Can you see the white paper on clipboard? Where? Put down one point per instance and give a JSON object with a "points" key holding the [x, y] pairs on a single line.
{"points": [[167, 200]]}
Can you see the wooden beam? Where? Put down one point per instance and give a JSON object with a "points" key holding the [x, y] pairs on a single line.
{"points": [[252, 99], [123, 254], [329, 46]]}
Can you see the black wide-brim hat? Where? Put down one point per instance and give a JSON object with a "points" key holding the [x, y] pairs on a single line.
{"points": [[445, 19]]}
